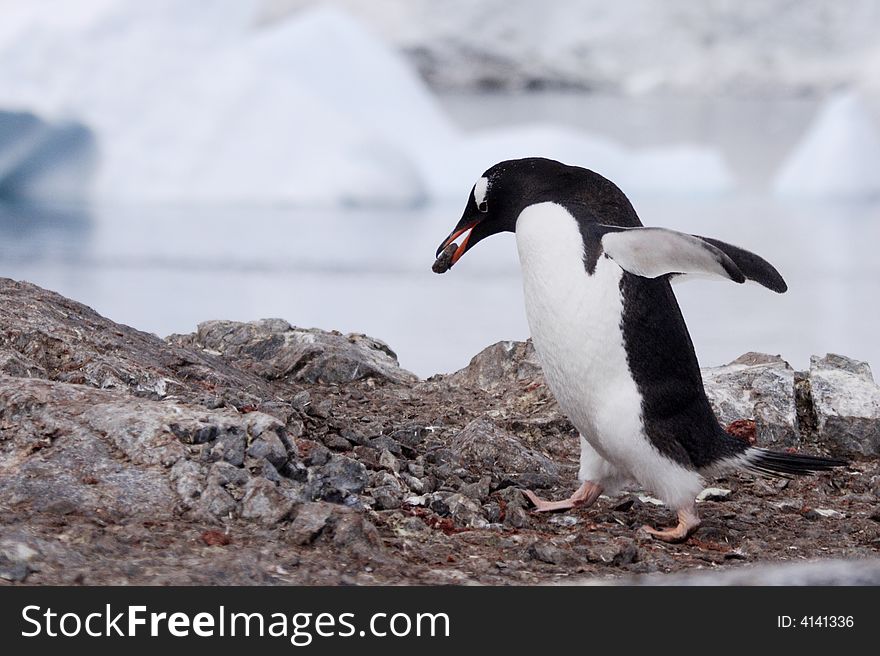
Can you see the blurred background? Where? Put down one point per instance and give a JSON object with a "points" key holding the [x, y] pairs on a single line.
{"points": [[171, 162]]}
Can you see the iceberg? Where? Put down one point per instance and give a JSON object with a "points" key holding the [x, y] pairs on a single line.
{"points": [[184, 109], [672, 170], [39, 159], [201, 103], [838, 157]]}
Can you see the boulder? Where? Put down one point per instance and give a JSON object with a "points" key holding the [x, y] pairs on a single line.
{"points": [[275, 350], [485, 449], [73, 449], [501, 365], [759, 387], [44, 335], [846, 403]]}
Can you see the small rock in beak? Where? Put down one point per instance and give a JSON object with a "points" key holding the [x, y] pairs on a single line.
{"points": [[444, 261]]}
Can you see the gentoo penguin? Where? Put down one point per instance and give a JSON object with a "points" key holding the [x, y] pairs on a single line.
{"points": [[610, 336]]}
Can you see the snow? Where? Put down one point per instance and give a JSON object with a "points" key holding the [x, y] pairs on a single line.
{"points": [[838, 157], [201, 103]]}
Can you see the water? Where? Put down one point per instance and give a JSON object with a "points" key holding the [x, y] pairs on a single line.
{"points": [[164, 270]]}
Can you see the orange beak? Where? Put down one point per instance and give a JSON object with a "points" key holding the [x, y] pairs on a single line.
{"points": [[462, 246]]}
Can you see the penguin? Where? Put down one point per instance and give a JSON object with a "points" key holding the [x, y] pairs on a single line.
{"points": [[611, 339]]}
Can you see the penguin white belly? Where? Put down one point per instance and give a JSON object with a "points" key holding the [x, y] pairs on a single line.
{"points": [[575, 321]]}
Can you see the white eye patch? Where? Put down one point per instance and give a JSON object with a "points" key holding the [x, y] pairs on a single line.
{"points": [[480, 189]]}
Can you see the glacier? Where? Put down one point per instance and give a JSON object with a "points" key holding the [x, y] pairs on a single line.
{"points": [[202, 103]]}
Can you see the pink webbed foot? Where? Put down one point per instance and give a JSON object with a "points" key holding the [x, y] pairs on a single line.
{"points": [[688, 522], [584, 496]]}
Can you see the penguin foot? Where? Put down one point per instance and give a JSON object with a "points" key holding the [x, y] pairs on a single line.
{"points": [[585, 496], [688, 522]]}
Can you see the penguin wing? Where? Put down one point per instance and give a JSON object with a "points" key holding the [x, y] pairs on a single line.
{"points": [[754, 267], [653, 252]]}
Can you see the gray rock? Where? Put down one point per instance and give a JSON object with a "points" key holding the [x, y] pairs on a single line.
{"points": [[846, 401], [517, 517], [437, 503], [759, 387], [386, 497], [230, 448], [367, 455], [98, 451], [226, 474], [628, 555], [387, 443], [266, 501], [513, 504], [188, 478], [339, 478], [465, 512], [216, 502], [482, 447], [413, 483], [11, 570], [388, 461], [16, 560], [547, 552], [314, 454], [410, 435], [493, 512], [15, 364], [275, 350], [384, 478], [354, 532], [336, 442], [311, 518], [262, 468], [479, 490], [345, 474], [295, 427], [512, 496], [46, 336], [500, 365], [269, 446]]}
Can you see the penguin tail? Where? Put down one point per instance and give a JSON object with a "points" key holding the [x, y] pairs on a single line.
{"points": [[765, 462], [785, 465]]}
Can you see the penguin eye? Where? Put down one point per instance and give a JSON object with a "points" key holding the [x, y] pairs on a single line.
{"points": [[483, 207]]}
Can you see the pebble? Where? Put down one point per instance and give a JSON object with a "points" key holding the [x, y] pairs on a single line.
{"points": [[444, 261], [714, 494], [547, 552]]}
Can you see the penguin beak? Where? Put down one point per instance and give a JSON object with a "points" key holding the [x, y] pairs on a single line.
{"points": [[460, 230]]}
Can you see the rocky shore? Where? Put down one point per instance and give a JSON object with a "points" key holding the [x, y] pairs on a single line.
{"points": [[263, 453]]}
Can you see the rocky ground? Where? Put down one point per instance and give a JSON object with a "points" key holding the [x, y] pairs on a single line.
{"points": [[261, 453]]}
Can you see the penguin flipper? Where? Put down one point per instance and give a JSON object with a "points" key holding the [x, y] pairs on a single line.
{"points": [[679, 253], [655, 252], [754, 267]]}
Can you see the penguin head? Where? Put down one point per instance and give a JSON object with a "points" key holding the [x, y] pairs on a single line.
{"points": [[497, 198]]}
